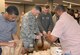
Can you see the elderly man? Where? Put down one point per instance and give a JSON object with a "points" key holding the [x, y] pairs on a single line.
{"points": [[29, 28], [68, 31]]}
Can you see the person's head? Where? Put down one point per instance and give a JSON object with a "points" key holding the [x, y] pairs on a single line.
{"points": [[60, 9], [76, 13], [11, 13], [71, 12], [36, 10], [46, 9]]}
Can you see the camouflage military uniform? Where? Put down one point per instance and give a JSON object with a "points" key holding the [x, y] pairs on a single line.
{"points": [[28, 29]]}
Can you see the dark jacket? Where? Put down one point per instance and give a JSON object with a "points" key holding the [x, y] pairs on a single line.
{"points": [[45, 22]]}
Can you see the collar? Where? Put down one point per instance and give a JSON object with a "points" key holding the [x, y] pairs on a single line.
{"points": [[63, 14]]}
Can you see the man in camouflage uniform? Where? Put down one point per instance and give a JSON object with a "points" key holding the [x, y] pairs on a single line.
{"points": [[29, 27]]}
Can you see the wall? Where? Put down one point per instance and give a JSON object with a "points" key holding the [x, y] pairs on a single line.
{"points": [[19, 6], [28, 7], [2, 5], [76, 7], [22, 7]]}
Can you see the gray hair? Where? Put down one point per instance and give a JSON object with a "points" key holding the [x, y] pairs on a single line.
{"points": [[60, 7]]}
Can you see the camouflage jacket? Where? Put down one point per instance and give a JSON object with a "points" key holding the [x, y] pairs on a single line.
{"points": [[29, 26]]}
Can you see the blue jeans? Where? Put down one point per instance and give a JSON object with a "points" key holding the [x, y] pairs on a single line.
{"points": [[0, 51]]}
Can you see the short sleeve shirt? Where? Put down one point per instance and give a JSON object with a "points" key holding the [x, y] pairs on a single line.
{"points": [[7, 28], [68, 30]]}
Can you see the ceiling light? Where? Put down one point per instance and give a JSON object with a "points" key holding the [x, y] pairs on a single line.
{"points": [[12, 2], [71, 3], [28, 0]]}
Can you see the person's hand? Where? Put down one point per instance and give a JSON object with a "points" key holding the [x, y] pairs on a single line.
{"points": [[11, 44], [23, 50], [49, 32], [48, 35], [39, 36], [16, 41], [44, 33]]}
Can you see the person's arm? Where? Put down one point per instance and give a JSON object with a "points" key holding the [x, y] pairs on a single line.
{"points": [[24, 27], [39, 23], [14, 32], [27, 29], [10, 44], [4, 43], [15, 36], [57, 32], [51, 38], [51, 25]]}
